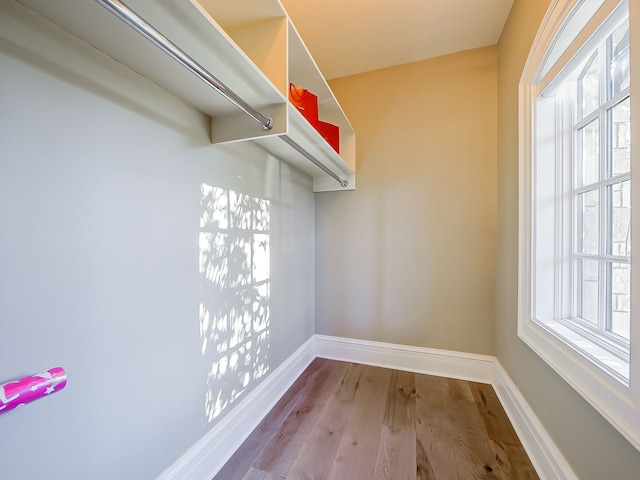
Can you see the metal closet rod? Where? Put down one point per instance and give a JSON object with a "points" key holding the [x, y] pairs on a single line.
{"points": [[313, 160], [136, 22], [140, 25]]}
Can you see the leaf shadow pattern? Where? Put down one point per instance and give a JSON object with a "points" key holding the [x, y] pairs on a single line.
{"points": [[234, 265]]}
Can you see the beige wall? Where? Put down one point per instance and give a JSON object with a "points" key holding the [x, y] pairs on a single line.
{"points": [[593, 448], [409, 256]]}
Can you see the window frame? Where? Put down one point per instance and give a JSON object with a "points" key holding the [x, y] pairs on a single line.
{"points": [[602, 332], [554, 341]]}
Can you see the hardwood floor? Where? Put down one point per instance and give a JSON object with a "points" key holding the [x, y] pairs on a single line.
{"points": [[345, 421]]}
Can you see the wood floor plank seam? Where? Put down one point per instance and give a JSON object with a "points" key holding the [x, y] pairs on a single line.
{"points": [[262, 436], [279, 456], [319, 452], [359, 446], [347, 421]]}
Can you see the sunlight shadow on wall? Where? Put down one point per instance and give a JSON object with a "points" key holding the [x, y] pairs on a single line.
{"points": [[234, 291]]}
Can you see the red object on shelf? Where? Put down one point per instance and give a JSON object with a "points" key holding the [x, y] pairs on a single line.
{"points": [[306, 103], [331, 133]]}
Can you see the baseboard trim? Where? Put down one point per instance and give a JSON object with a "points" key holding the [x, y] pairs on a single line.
{"points": [[430, 361], [549, 463], [205, 459], [543, 452]]}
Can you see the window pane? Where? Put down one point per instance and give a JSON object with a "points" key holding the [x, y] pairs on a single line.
{"points": [[587, 275], [588, 87], [620, 77], [588, 217], [619, 221], [621, 137], [620, 298], [589, 155]]}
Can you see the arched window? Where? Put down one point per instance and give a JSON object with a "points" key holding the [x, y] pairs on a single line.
{"points": [[576, 273]]}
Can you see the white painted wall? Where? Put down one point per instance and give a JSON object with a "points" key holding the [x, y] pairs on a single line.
{"points": [[102, 177]]}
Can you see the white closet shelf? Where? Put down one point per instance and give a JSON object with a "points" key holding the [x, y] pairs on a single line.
{"points": [[236, 53], [310, 140]]}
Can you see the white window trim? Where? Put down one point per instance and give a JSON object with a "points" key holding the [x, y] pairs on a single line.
{"points": [[618, 403]]}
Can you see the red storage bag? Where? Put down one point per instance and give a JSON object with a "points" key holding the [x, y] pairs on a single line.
{"points": [[306, 103], [331, 133]]}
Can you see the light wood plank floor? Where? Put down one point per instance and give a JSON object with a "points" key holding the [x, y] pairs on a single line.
{"points": [[345, 421]]}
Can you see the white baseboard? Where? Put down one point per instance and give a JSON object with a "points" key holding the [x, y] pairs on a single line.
{"points": [[544, 454], [205, 459], [443, 363], [549, 463]]}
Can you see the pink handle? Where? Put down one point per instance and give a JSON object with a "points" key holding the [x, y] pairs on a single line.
{"points": [[26, 390]]}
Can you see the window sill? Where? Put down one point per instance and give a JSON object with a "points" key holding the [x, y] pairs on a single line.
{"points": [[605, 392], [590, 350]]}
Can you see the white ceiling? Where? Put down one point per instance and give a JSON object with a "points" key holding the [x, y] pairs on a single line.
{"points": [[346, 37]]}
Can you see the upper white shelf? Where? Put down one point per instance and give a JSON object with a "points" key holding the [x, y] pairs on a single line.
{"points": [[250, 46]]}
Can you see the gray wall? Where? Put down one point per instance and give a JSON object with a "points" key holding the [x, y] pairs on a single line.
{"points": [[166, 275], [594, 448]]}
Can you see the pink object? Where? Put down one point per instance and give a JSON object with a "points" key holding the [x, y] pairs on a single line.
{"points": [[26, 390]]}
